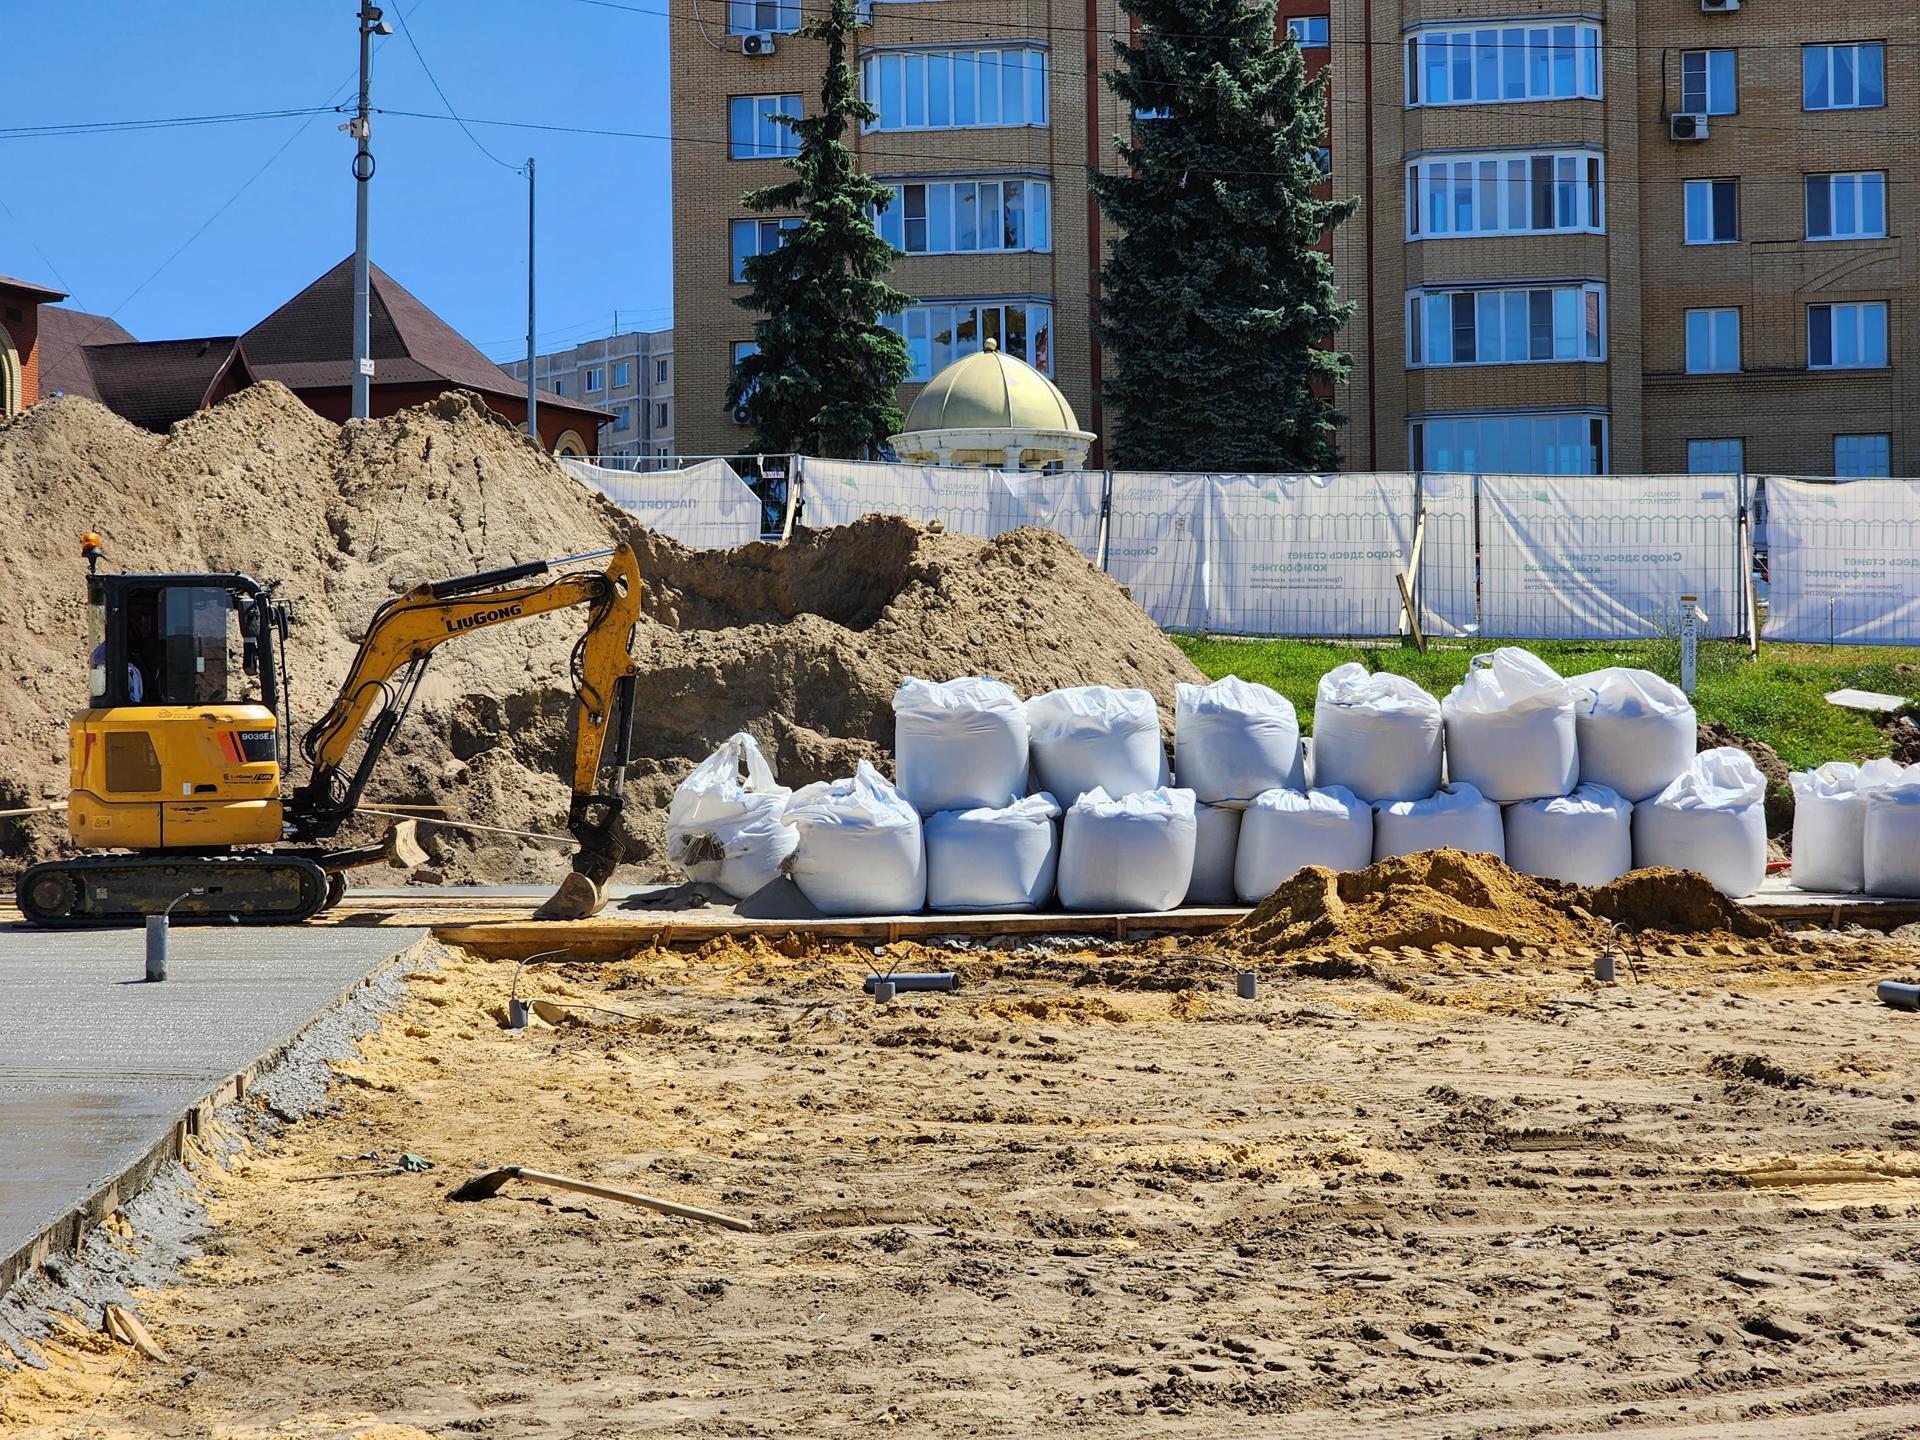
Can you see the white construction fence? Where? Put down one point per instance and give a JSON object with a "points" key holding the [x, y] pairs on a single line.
{"points": [[1365, 555]]}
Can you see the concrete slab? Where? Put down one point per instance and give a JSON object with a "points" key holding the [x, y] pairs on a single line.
{"points": [[97, 1066]]}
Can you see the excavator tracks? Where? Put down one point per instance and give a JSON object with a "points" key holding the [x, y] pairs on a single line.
{"points": [[247, 889]]}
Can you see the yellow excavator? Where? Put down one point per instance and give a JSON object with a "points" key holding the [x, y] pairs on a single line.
{"points": [[177, 759]]}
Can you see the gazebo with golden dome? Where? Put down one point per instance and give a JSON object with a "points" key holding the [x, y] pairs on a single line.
{"points": [[992, 409]]}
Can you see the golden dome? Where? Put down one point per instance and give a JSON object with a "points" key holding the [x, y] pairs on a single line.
{"points": [[991, 390]]}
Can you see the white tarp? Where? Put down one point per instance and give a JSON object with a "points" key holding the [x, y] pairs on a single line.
{"points": [[1843, 561], [1447, 583], [1307, 554], [1068, 502], [839, 492], [705, 506], [1156, 544], [1604, 557]]}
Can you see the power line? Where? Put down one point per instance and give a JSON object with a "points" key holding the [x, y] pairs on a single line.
{"points": [[412, 44], [172, 122]]}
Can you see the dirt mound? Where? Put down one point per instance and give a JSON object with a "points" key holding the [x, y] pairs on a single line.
{"points": [[802, 644], [1767, 760], [1445, 897]]}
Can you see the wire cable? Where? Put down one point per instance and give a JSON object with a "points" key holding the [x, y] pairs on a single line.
{"points": [[414, 45]]}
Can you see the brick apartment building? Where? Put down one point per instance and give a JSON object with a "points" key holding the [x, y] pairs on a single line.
{"points": [[629, 374], [1634, 235]]}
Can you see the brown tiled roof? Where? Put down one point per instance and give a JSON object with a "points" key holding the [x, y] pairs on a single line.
{"points": [[64, 336], [38, 294], [308, 343], [154, 383]]}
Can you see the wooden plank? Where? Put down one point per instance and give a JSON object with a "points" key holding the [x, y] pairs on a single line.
{"points": [[793, 497], [1746, 579]]}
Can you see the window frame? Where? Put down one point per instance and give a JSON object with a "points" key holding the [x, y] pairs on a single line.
{"points": [[1832, 49], [1733, 80], [1832, 347], [1713, 209], [622, 417], [593, 380], [1886, 444], [1713, 338], [786, 142], [1738, 441], [1500, 59], [897, 221], [1830, 177], [784, 11], [622, 374], [1587, 187], [659, 372], [918, 326], [735, 259], [1326, 31], [1588, 294]]}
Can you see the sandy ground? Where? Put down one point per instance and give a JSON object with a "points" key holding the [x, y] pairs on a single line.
{"points": [[1087, 1195]]}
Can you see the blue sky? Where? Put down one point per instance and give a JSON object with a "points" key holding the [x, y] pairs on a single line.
{"points": [[99, 214]]}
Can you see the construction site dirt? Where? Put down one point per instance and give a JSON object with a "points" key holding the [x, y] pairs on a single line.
{"points": [[1090, 1192]]}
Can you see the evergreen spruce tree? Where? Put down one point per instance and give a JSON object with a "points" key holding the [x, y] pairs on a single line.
{"points": [[823, 378], [1215, 304]]}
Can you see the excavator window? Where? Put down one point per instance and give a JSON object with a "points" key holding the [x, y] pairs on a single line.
{"points": [[179, 642]]}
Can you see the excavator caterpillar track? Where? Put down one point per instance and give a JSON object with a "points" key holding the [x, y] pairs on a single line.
{"points": [[247, 889]]}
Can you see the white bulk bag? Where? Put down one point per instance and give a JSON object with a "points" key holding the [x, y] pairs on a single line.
{"points": [[1510, 729], [1892, 836], [1584, 838], [1636, 731], [1284, 831], [1134, 853], [1712, 818], [1216, 839], [960, 745], [723, 824], [1830, 822], [1095, 737], [860, 850], [1232, 740], [1454, 817], [1376, 735], [992, 858]]}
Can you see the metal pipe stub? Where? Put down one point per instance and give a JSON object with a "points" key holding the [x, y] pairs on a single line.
{"points": [[904, 981]]}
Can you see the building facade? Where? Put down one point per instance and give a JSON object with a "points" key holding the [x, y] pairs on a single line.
{"points": [[20, 346], [630, 374], [1620, 235]]}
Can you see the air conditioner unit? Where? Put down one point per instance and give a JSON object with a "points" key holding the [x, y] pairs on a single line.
{"points": [[758, 43], [741, 416], [1719, 7], [1686, 127]]}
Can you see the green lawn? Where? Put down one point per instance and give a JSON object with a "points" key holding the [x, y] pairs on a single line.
{"points": [[1778, 699]]}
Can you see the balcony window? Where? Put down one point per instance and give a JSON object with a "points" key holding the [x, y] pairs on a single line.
{"points": [[1505, 194], [1511, 444], [947, 217], [939, 333], [1506, 326], [1498, 63], [956, 89]]}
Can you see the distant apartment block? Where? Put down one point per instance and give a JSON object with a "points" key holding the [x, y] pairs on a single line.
{"points": [[630, 374]]}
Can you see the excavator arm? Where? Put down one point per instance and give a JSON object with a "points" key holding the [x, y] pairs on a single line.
{"points": [[392, 659]]}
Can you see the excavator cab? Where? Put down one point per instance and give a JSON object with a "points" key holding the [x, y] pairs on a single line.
{"points": [[178, 747]]}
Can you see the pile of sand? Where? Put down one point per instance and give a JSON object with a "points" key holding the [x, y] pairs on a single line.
{"points": [[801, 644], [1444, 897]]}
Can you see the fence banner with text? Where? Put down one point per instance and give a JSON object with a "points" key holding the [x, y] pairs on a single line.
{"points": [[706, 506], [1843, 561]]}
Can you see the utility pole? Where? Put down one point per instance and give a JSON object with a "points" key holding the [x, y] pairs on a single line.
{"points": [[533, 404], [370, 25]]}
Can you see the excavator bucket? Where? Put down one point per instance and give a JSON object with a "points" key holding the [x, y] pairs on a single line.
{"points": [[577, 898], [401, 848]]}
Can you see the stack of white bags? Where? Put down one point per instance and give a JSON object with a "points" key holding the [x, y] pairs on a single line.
{"points": [[1001, 804]]}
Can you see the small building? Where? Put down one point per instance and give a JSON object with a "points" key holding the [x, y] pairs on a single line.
{"points": [[992, 409], [20, 343], [306, 345], [65, 336]]}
